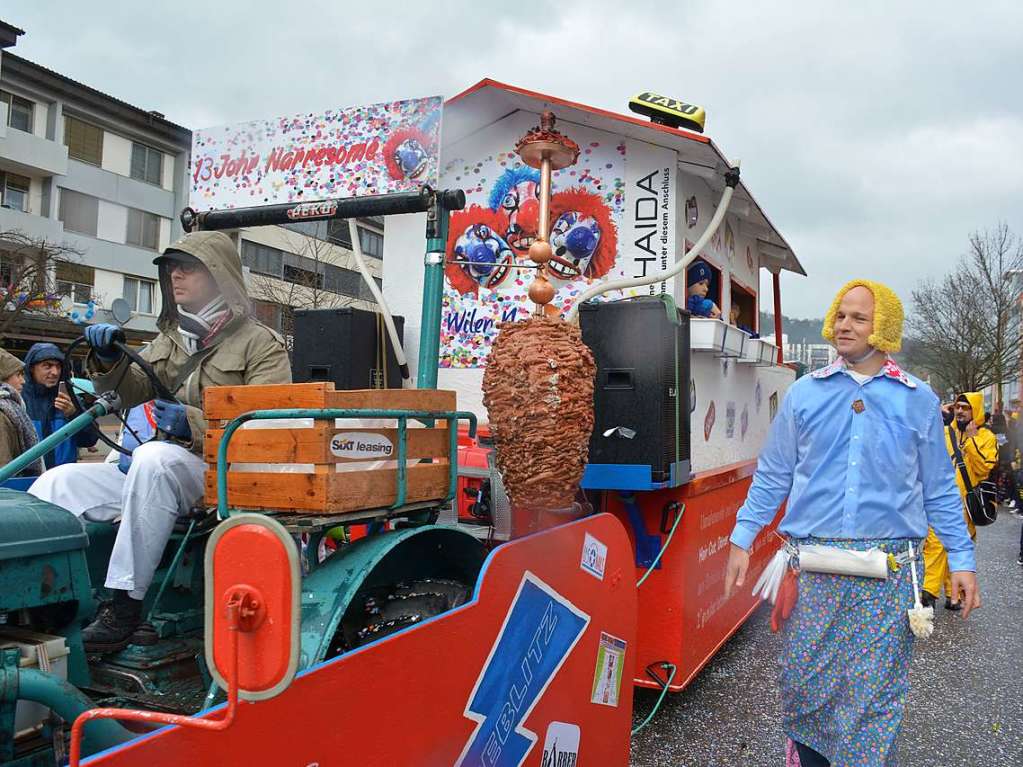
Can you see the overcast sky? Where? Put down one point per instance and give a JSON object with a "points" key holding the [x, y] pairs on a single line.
{"points": [[876, 135]]}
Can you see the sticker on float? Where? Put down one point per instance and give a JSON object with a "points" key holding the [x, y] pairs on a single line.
{"points": [[607, 677], [539, 632], [561, 746], [355, 444], [594, 557]]}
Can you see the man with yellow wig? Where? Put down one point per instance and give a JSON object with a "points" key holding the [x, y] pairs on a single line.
{"points": [[974, 452], [858, 450]]}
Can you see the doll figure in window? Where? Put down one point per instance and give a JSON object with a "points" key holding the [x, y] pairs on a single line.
{"points": [[735, 318], [698, 282]]}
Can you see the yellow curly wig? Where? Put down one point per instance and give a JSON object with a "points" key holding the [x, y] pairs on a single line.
{"points": [[888, 316]]}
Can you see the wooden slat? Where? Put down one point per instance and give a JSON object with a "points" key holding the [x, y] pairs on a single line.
{"points": [[329, 492], [393, 399], [227, 402], [314, 445], [222, 403], [253, 490], [350, 490]]}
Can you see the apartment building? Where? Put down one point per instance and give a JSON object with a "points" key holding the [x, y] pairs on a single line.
{"points": [[309, 265], [83, 169]]}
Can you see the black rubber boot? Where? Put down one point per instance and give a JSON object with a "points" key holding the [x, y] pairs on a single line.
{"points": [[927, 599], [114, 624], [953, 606]]}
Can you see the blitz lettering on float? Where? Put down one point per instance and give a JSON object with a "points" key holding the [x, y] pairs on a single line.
{"points": [[539, 632]]}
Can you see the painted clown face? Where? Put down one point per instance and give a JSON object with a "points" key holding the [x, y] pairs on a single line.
{"points": [[411, 157], [574, 238], [486, 254], [407, 153], [521, 206]]}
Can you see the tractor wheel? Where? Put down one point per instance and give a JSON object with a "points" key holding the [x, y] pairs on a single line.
{"points": [[388, 609]]}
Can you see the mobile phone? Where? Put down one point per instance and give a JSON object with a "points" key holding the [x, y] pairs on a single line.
{"points": [[62, 388]]}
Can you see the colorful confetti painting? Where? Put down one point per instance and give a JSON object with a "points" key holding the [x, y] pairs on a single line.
{"points": [[592, 235], [349, 152]]}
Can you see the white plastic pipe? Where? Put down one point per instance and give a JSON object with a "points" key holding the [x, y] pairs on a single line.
{"points": [[399, 351], [715, 222]]}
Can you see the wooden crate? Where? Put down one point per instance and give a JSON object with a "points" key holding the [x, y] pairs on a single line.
{"points": [[325, 490]]}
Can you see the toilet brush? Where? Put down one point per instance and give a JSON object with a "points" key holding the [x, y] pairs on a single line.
{"points": [[921, 619]]}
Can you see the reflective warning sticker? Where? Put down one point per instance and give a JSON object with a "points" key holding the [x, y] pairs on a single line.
{"points": [[607, 678]]}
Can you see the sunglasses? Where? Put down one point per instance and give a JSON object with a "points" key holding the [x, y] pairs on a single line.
{"points": [[185, 267]]}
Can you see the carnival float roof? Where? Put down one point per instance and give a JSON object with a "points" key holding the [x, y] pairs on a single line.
{"points": [[488, 101]]}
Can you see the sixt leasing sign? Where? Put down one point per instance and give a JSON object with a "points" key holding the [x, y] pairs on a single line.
{"points": [[356, 445]]}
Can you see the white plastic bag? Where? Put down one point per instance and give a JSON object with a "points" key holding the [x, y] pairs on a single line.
{"points": [[872, 563]]}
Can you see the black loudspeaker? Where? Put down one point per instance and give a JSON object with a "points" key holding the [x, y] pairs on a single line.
{"points": [[350, 347], [641, 398]]}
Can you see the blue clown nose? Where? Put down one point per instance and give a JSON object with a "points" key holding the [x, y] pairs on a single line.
{"points": [[482, 258], [581, 241], [409, 158]]}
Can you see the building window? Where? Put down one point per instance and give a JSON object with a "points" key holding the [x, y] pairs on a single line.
{"points": [[146, 164], [372, 243], [76, 281], [268, 313], [84, 140], [305, 277], [365, 293], [341, 280], [15, 191], [79, 212], [262, 259], [143, 229], [19, 111], [8, 270], [139, 294], [338, 232]]}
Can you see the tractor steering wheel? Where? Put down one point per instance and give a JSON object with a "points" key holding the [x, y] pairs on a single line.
{"points": [[162, 392]]}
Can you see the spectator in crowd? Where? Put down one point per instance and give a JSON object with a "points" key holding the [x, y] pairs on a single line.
{"points": [[979, 452], [1005, 474], [16, 432], [49, 408]]}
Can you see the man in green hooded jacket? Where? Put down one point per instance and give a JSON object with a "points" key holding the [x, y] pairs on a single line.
{"points": [[207, 338]]}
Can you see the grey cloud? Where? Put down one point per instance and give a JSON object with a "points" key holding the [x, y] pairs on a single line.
{"points": [[876, 135]]}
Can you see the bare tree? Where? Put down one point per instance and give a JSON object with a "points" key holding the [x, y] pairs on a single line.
{"points": [[309, 286], [965, 328], [28, 277]]}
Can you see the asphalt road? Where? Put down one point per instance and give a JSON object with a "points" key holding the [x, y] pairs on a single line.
{"points": [[965, 705]]}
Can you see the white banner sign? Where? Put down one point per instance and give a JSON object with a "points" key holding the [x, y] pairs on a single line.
{"points": [[353, 152]]}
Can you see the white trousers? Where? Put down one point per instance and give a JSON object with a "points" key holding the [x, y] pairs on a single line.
{"points": [[164, 480]]}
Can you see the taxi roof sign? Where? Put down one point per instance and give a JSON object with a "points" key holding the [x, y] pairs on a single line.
{"points": [[669, 111]]}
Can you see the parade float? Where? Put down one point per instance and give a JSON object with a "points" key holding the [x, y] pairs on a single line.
{"points": [[626, 433]]}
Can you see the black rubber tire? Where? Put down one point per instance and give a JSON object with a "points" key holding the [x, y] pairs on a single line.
{"points": [[386, 610]]}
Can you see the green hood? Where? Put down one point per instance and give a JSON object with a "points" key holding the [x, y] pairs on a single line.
{"points": [[219, 254]]}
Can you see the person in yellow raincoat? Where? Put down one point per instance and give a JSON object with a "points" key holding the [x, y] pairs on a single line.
{"points": [[979, 449]]}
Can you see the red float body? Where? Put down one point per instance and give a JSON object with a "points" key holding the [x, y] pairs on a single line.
{"points": [[421, 680], [684, 617]]}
